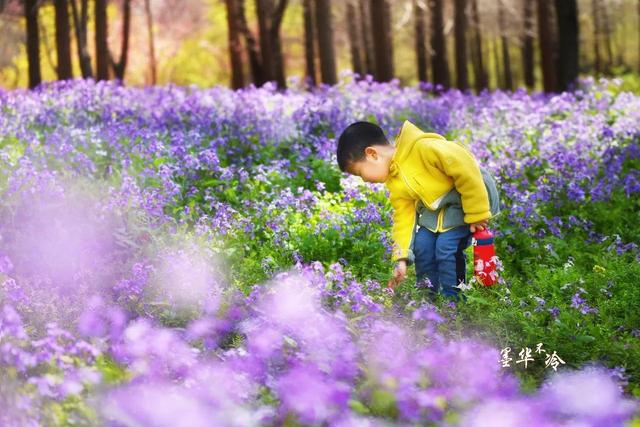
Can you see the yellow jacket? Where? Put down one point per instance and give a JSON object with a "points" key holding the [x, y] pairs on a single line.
{"points": [[424, 168]]}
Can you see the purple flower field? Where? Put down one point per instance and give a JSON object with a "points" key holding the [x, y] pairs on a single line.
{"points": [[175, 256]]}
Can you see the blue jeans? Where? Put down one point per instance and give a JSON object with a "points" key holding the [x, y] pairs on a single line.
{"points": [[440, 257]]}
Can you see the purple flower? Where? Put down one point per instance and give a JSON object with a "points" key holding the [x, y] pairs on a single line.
{"points": [[312, 395], [600, 401], [5, 264]]}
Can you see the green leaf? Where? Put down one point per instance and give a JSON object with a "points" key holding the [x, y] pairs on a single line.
{"points": [[478, 300], [111, 371], [383, 402], [358, 407], [585, 338], [158, 161]]}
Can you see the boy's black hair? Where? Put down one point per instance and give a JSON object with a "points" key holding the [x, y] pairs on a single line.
{"points": [[354, 139]]}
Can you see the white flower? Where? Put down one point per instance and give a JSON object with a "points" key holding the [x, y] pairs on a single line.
{"points": [[567, 265], [464, 286]]}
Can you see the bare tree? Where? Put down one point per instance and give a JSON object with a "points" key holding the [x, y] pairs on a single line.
{"points": [[101, 33], [235, 47], [618, 37], [367, 34], [480, 74], [420, 37], [33, 42], [439, 63], [253, 51], [595, 12], [607, 36], [120, 66], [546, 46], [151, 42], [506, 61], [264, 11], [381, 27], [354, 38], [567, 66], [309, 45], [325, 42], [461, 44], [80, 19], [269, 21], [278, 58], [527, 44], [63, 41], [496, 60]]}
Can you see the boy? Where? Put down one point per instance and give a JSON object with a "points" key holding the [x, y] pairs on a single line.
{"points": [[439, 194]]}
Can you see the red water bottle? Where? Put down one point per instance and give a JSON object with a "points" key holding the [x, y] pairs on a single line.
{"points": [[484, 257]]}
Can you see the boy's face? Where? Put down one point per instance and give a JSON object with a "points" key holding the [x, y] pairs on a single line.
{"points": [[374, 167]]}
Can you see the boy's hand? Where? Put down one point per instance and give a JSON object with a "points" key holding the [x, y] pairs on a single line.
{"points": [[399, 273], [479, 226]]}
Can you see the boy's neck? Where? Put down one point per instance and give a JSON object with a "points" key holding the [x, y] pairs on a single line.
{"points": [[390, 151]]}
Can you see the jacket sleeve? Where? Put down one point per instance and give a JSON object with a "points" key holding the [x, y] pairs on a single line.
{"points": [[457, 162], [403, 229]]}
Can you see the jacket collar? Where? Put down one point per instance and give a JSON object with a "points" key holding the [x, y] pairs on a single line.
{"points": [[405, 140]]}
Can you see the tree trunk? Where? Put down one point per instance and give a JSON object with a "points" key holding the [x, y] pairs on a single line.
{"points": [[360, 36], [102, 49], [383, 53], [367, 34], [235, 47], [480, 74], [325, 42], [607, 37], [309, 45], [461, 45], [618, 38], [120, 66], [420, 37], [546, 46], [276, 42], [33, 42], [63, 40], [269, 20], [440, 67], [252, 47], [354, 39], [506, 61], [389, 37], [595, 12], [151, 41], [527, 45], [264, 10], [567, 66], [80, 24], [278, 61], [496, 60]]}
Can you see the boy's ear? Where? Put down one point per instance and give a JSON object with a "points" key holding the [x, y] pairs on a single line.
{"points": [[370, 151]]}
